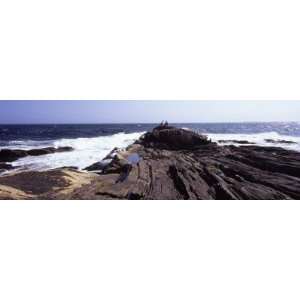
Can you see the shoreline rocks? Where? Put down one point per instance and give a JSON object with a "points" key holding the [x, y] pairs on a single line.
{"points": [[241, 142], [10, 155], [170, 163], [168, 137], [5, 167], [279, 141], [98, 166], [53, 184]]}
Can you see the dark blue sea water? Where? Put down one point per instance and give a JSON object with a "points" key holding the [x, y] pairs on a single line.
{"points": [[93, 141], [50, 132]]}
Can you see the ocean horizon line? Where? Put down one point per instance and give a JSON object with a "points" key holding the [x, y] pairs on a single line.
{"points": [[152, 123]]}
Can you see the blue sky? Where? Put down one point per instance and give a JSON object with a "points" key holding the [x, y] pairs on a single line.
{"points": [[86, 111]]}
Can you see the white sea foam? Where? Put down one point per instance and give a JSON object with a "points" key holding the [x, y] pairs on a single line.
{"points": [[258, 138], [86, 151], [27, 144]]}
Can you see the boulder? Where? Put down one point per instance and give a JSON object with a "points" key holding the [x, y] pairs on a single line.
{"points": [[117, 165], [168, 137], [98, 166]]}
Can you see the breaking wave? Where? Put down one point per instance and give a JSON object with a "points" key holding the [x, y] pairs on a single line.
{"points": [[86, 151]]}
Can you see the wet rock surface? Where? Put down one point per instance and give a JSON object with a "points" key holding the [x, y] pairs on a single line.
{"points": [[10, 155], [158, 166]]}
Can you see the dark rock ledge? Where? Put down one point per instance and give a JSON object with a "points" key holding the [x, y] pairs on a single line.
{"points": [[279, 141], [171, 163], [5, 167], [241, 142], [9, 155]]}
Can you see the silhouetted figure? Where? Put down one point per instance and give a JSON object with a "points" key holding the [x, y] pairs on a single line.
{"points": [[163, 124]]}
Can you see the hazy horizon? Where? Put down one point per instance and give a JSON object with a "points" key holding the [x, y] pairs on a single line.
{"points": [[150, 123], [39, 112]]}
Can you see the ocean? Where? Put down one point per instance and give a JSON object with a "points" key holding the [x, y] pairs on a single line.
{"points": [[92, 142]]}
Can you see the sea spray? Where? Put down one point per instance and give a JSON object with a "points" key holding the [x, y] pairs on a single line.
{"points": [[86, 152]]}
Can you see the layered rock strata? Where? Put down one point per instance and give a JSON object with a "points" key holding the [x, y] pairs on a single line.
{"points": [[171, 163]]}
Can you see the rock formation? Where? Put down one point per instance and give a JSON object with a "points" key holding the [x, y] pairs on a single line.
{"points": [[240, 142], [9, 155], [167, 137], [4, 167], [171, 163], [279, 141]]}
